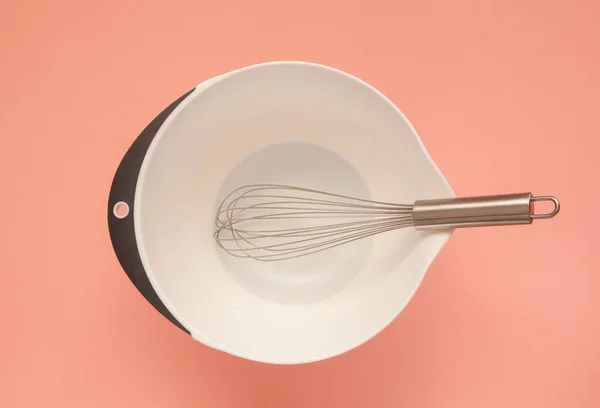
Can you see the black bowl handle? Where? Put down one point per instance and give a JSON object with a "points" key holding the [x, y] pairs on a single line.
{"points": [[121, 228]]}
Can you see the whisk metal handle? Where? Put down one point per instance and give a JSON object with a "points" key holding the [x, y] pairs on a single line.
{"points": [[507, 209]]}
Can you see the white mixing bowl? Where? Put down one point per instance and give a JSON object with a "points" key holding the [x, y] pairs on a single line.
{"points": [[285, 123]]}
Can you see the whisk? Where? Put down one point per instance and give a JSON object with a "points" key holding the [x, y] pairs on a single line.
{"points": [[271, 222]]}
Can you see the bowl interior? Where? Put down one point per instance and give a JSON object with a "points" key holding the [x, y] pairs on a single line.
{"points": [[283, 123]]}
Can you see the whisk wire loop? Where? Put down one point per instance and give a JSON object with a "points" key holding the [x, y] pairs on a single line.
{"points": [[269, 222]]}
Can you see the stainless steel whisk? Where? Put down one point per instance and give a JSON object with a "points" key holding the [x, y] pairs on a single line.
{"points": [[270, 222]]}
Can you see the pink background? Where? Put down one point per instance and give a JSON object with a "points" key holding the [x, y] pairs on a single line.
{"points": [[505, 96]]}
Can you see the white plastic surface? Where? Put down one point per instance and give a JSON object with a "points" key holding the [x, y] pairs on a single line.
{"points": [[291, 123]]}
